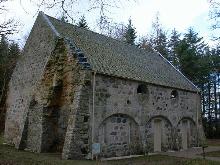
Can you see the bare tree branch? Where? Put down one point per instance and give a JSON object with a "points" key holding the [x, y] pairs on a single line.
{"points": [[7, 26], [214, 13], [69, 6]]}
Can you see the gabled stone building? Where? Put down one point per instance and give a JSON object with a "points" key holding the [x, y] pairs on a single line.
{"points": [[73, 87]]}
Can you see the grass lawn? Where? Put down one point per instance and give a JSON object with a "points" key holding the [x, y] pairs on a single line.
{"points": [[213, 154], [10, 156]]}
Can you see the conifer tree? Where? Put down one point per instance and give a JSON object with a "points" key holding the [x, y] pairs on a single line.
{"points": [[82, 22], [172, 48], [158, 37], [130, 33], [193, 55], [8, 58], [161, 43]]}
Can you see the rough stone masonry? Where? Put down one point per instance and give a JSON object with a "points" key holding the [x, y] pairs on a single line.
{"points": [[72, 88]]}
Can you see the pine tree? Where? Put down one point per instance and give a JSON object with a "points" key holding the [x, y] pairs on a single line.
{"points": [[8, 57], [160, 43], [130, 33], [3, 47], [193, 55], [172, 47], [3, 78], [82, 22], [158, 38], [14, 49]]}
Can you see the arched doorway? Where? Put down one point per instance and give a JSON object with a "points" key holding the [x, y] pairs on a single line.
{"points": [[119, 135], [158, 134], [187, 133]]}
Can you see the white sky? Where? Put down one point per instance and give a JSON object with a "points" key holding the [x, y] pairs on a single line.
{"points": [[179, 14]]}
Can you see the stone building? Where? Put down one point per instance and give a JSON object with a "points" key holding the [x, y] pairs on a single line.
{"points": [[72, 88]]}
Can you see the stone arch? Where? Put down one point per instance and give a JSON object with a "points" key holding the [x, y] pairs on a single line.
{"points": [[160, 116], [119, 135], [158, 134], [126, 113], [186, 133], [186, 118]]}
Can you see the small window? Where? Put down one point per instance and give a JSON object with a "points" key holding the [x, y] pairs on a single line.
{"points": [[128, 102], [142, 89], [174, 94], [86, 118]]}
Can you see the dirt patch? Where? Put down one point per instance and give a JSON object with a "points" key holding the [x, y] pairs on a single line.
{"points": [[213, 142]]}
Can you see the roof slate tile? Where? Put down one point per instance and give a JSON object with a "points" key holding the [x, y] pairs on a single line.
{"points": [[116, 58]]}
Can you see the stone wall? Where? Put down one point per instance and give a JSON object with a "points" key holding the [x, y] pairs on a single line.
{"points": [[26, 75], [59, 107], [142, 104], [76, 145], [51, 104]]}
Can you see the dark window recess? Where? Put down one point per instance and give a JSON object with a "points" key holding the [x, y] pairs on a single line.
{"points": [[128, 102], [174, 94], [84, 150], [86, 119], [142, 89]]}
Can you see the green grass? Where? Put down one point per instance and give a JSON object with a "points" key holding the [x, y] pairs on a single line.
{"points": [[213, 154], [10, 156]]}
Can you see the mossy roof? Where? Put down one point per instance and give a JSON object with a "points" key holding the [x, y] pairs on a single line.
{"points": [[116, 58]]}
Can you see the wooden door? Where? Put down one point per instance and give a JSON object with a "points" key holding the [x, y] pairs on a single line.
{"points": [[184, 134], [157, 135]]}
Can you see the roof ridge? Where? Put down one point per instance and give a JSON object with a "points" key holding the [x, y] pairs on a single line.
{"points": [[91, 31], [50, 24]]}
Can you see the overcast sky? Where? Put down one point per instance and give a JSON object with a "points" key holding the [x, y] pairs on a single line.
{"points": [[179, 14]]}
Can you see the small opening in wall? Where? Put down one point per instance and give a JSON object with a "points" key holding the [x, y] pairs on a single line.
{"points": [[84, 150], [142, 89], [174, 94], [86, 118], [128, 102]]}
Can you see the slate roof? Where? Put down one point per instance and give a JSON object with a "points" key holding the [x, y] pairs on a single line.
{"points": [[116, 58]]}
